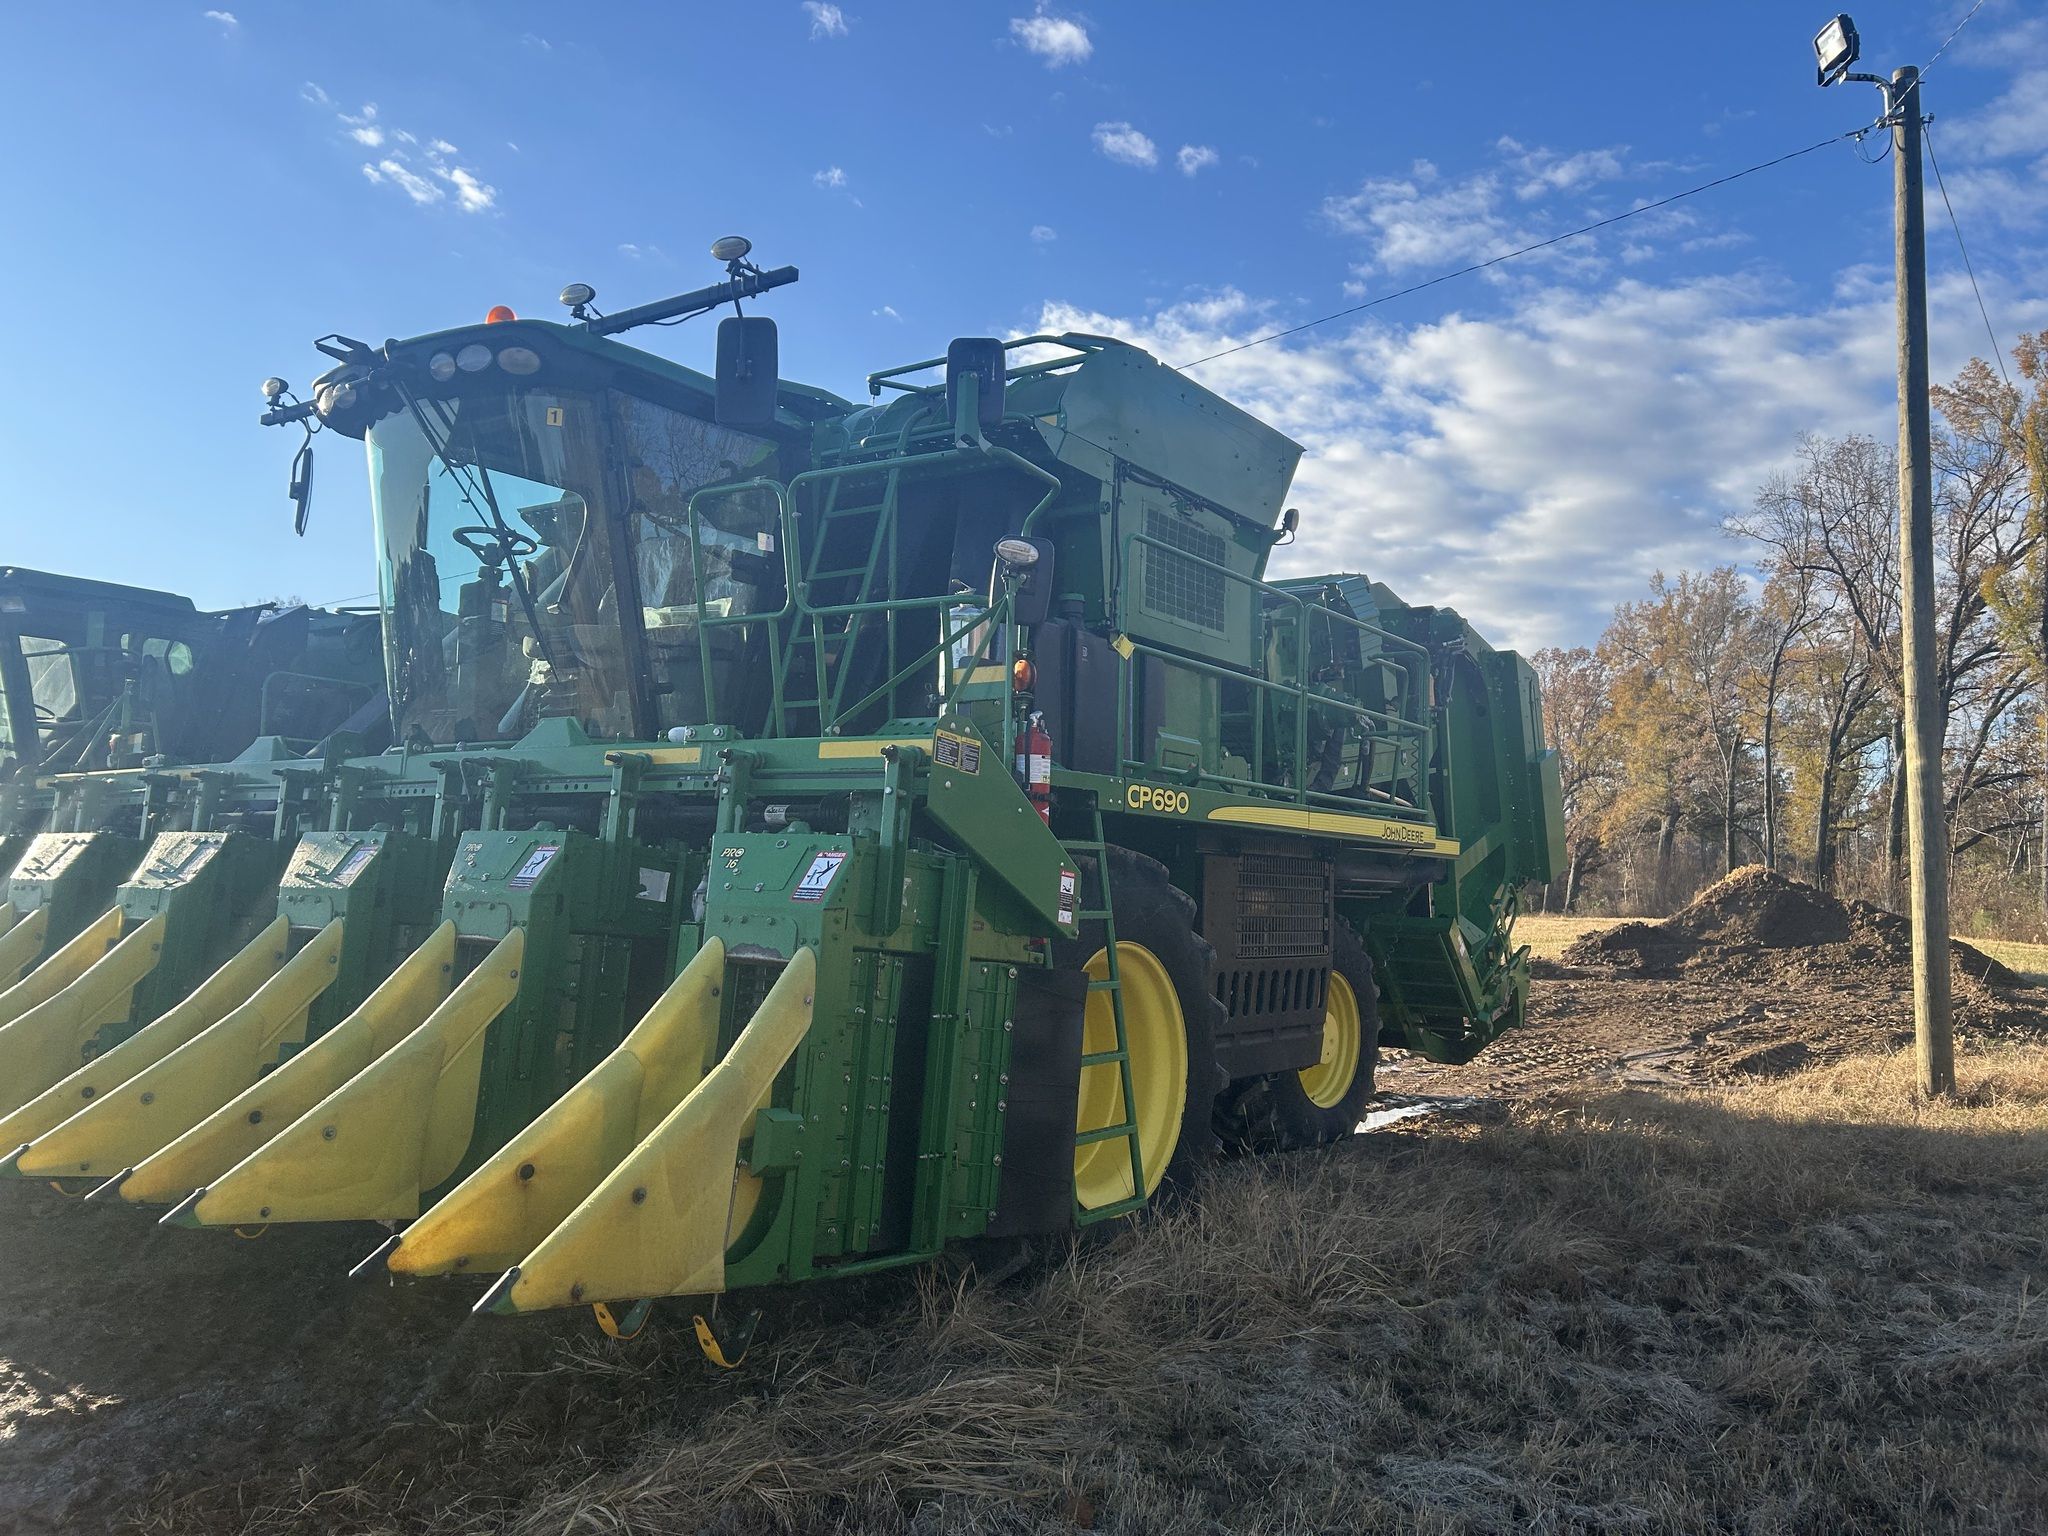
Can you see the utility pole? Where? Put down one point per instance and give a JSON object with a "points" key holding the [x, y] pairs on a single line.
{"points": [[1934, 1047], [1927, 840]]}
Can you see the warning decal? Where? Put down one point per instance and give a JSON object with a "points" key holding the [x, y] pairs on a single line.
{"points": [[950, 750], [818, 878], [1069, 881], [535, 866]]}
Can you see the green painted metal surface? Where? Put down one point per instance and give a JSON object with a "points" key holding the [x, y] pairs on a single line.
{"points": [[805, 741]]}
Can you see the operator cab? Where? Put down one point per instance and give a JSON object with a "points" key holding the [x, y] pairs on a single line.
{"points": [[550, 523]]}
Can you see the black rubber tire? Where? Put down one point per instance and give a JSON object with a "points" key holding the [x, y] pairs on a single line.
{"points": [[1275, 1114], [1153, 912]]}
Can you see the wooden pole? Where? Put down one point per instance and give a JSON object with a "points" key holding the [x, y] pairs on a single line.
{"points": [[1927, 841]]}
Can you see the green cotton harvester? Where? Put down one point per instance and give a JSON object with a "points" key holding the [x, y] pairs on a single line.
{"points": [[816, 834]]}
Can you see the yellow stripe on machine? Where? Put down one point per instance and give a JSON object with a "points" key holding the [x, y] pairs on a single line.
{"points": [[61, 969], [21, 943], [157, 1084], [659, 1223], [531, 1184], [1412, 836], [46, 1044], [397, 1128], [180, 1134], [867, 746]]}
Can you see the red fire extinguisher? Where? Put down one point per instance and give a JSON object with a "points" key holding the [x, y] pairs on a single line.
{"points": [[1034, 764]]}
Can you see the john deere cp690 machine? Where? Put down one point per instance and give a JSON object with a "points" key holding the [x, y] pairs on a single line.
{"points": [[816, 834]]}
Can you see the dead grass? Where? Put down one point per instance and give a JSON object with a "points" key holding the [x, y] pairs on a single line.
{"points": [[1805, 1304], [1549, 935], [2030, 960]]}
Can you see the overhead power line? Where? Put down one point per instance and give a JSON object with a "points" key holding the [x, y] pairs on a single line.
{"points": [[1997, 351], [1537, 245], [1929, 65]]}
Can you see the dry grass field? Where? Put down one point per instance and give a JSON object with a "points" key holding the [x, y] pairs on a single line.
{"points": [[1687, 1255], [1799, 1305]]}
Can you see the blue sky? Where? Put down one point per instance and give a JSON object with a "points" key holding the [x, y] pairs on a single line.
{"points": [[193, 194]]}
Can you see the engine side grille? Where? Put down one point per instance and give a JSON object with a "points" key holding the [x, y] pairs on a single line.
{"points": [[1179, 589], [1268, 917]]}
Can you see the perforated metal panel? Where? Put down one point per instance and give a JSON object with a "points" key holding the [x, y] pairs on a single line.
{"points": [[1268, 916], [1180, 589], [1283, 906]]}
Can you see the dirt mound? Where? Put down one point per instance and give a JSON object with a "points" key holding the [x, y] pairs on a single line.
{"points": [[1753, 915], [1800, 951]]}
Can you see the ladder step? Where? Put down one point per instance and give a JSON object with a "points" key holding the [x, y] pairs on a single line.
{"points": [[1102, 986], [1105, 1133], [1103, 1058]]}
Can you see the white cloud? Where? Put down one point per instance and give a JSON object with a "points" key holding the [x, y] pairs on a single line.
{"points": [[227, 19], [634, 252], [1418, 220], [471, 194], [1194, 158], [1058, 40], [1539, 172], [831, 177], [427, 174], [1044, 234], [826, 20], [1125, 145], [1532, 467], [886, 312], [397, 174], [1425, 219], [311, 92]]}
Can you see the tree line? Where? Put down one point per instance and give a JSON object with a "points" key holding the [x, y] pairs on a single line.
{"points": [[1751, 713]]}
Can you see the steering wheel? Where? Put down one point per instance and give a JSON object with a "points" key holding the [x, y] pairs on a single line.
{"points": [[494, 546]]}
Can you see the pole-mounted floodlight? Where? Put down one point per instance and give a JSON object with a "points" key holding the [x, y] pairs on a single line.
{"points": [[1835, 47]]}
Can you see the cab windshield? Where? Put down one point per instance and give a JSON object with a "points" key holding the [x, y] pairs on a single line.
{"points": [[510, 574]]}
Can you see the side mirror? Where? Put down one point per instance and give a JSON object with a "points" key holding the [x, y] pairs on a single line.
{"points": [[1032, 603], [979, 358], [748, 371], [1289, 521], [301, 491]]}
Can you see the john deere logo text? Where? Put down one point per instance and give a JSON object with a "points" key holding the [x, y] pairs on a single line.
{"points": [[1144, 797]]}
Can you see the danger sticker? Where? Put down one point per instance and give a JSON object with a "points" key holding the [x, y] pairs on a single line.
{"points": [[535, 866], [818, 878], [950, 750], [1069, 883]]}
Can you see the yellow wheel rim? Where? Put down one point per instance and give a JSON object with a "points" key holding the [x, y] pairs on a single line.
{"points": [[1331, 1077], [1158, 1040]]}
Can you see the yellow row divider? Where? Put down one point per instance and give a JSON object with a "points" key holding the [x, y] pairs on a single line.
{"points": [[69, 963], [47, 1043], [158, 1083], [21, 943], [530, 1185], [659, 1223], [396, 1129], [193, 1136]]}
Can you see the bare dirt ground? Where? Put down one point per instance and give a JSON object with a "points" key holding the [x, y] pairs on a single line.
{"points": [[1758, 977], [1694, 1259]]}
